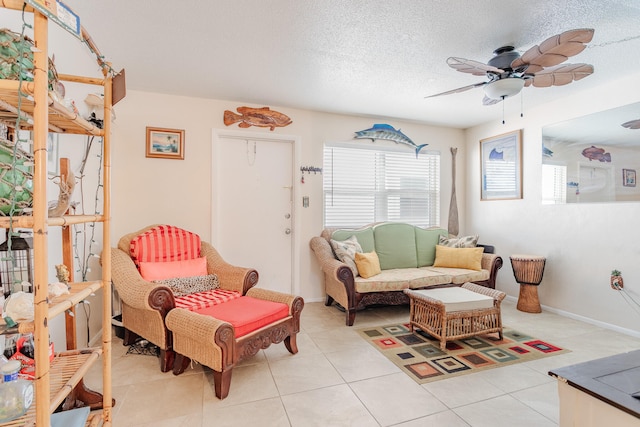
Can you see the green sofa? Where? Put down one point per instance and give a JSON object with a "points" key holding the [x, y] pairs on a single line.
{"points": [[406, 254]]}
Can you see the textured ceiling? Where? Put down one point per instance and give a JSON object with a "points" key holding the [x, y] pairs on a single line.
{"points": [[364, 57]]}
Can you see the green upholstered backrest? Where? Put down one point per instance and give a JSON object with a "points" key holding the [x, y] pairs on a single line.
{"points": [[364, 236], [426, 241], [395, 245]]}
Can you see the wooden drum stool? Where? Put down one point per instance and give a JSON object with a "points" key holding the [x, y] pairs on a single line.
{"points": [[528, 270]]}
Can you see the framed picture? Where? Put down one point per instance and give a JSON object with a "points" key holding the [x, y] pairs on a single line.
{"points": [[165, 143], [629, 177], [501, 166]]}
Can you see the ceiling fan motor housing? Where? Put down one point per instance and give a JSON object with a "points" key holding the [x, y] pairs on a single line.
{"points": [[503, 57]]}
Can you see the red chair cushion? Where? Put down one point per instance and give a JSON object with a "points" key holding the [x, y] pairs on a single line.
{"points": [[164, 243], [200, 300], [247, 314]]}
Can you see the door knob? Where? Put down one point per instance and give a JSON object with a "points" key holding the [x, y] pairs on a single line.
{"points": [[287, 231], [287, 216]]}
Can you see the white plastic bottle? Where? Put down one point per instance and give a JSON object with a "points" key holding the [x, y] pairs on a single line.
{"points": [[16, 394]]}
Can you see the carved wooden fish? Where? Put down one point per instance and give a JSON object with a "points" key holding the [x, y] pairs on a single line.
{"points": [[263, 117], [594, 153]]}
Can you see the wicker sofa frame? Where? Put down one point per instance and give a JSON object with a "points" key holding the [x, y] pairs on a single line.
{"points": [[145, 305], [429, 314]]}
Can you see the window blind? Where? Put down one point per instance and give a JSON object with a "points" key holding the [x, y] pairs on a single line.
{"points": [[369, 184]]}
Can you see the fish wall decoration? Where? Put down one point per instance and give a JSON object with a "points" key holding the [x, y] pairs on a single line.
{"points": [[262, 117], [387, 132], [594, 153]]}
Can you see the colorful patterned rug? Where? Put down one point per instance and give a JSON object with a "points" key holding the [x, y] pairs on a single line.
{"points": [[419, 354]]}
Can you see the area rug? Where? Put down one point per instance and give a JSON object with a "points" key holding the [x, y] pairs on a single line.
{"points": [[419, 355]]}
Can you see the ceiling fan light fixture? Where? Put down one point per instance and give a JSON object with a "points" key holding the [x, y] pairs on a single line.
{"points": [[504, 88]]}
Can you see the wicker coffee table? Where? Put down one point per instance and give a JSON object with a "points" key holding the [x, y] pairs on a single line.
{"points": [[455, 313]]}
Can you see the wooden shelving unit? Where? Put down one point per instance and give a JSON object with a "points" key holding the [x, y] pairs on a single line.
{"points": [[40, 113]]}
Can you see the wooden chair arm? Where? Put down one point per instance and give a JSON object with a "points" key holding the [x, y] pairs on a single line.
{"points": [[231, 277]]}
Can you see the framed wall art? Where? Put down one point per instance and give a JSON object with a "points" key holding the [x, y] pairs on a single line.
{"points": [[629, 177], [165, 143], [501, 166]]}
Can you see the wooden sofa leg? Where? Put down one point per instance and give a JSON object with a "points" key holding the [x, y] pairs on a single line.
{"points": [[222, 383], [180, 364], [328, 301], [130, 337], [291, 344], [166, 360], [351, 316]]}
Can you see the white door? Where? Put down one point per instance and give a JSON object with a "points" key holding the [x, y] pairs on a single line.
{"points": [[253, 218]]}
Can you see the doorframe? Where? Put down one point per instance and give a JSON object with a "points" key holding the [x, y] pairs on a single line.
{"points": [[241, 135]]}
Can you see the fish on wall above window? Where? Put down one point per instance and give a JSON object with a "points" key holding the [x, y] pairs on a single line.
{"points": [[262, 117], [387, 132]]}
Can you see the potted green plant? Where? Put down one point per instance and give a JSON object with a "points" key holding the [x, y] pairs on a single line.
{"points": [[616, 280]]}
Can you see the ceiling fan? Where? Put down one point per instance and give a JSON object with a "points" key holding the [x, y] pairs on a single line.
{"points": [[508, 71]]}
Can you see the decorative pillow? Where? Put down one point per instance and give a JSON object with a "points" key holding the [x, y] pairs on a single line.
{"points": [[164, 243], [469, 258], [170, 269], [181, 286], [459, 242], [346, 252], [368, 264]]}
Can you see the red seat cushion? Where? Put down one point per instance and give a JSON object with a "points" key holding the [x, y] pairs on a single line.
{"points": [[164, 243], [247, 314], [201, 300]]}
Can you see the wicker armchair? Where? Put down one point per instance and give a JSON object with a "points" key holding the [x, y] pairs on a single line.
{"points": [[145, 305]]}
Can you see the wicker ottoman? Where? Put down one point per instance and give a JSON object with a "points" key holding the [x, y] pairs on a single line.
{"points": [[455, 313]]}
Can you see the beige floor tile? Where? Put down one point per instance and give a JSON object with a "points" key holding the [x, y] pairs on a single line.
{"points": [[361, 363], [303, 373], [515, 377], [263, 413], [151, 401], [396, 398], [339, 339], [441, 419], [543, 399], [460, 391], [248, 384], [331, 406], [502, 411], [279, 351]]}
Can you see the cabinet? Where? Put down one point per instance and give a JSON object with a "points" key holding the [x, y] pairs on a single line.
{"points": [[41, 114]]}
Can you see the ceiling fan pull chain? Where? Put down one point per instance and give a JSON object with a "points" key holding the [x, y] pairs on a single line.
{"points": [[503, 97], [521, 104]]}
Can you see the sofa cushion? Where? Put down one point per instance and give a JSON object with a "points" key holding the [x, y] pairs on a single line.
{"points": [[426, 241], [364, 236], [171, 269], [205, 299], [164, 243], [368, 264], [397, 279], [459, 299], [247, 314], [346, 251], [181, 286], [459, 242], [395, 245], [468, 258], [459, 276]]}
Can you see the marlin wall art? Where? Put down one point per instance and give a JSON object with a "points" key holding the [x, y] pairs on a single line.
{"points": [[387, 132]]}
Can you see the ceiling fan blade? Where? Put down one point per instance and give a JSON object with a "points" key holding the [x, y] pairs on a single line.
{"points": [[632, 124], [560, 75], [555, 49], [458, 90], [472, 67], [490, 101]]}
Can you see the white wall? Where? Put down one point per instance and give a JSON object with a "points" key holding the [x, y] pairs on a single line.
{"points": [[582, 242], [149, 190]]}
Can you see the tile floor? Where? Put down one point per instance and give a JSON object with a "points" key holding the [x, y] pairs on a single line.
{"points": [[338, 379]]}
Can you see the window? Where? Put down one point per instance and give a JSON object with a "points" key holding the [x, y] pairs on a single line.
{"points": [[554, 183], [371, 184]]}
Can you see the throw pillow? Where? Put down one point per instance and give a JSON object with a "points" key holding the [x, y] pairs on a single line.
{"points": [[469, 258], [459, 242], [368, 264], [181, 286], [170, 269], [346, 252]]}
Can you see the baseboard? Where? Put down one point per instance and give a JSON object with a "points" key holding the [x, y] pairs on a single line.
{"points": [[96, 340], [584, 319]]}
